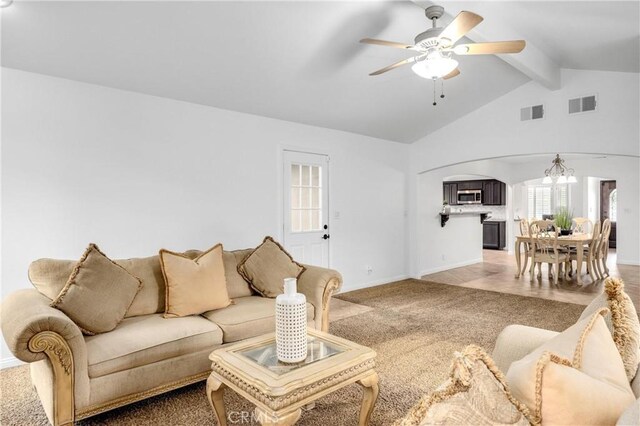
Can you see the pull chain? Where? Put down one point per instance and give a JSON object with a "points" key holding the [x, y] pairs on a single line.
{"points": [[434, 92], [442, 89]]}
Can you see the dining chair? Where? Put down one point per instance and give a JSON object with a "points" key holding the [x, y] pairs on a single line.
{"points": [[545, 249], [589, 253], [582, 225], [603, 250], [524, 231]]}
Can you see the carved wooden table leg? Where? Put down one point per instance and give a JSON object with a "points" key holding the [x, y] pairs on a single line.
{"points": [[286, 419], [215, 392], [517, 253], [370, 394], [579, 255]]}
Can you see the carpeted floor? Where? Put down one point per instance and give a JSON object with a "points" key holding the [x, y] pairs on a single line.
{"points": [[414, 326]]}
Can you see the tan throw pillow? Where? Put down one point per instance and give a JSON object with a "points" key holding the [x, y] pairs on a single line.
{"points": [[476, 393], [576, 378], [267, 267], [194, 286], [98, 293], [623, 322]]}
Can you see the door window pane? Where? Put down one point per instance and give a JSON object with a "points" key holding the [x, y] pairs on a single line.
{"points": [[306, 198], [295, 174], [295, 197], [306, 175]]}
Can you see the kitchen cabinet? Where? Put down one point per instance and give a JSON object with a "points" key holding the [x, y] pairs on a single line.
{"points": [[450, 193], [494, 234], [469, 184], [494, 192]]}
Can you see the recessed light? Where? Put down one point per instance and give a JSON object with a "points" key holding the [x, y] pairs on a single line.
{"points": [[5, 3]]}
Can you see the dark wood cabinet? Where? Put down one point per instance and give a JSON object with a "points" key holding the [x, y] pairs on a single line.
{"points": [[494, 192], [450, 193], [469, 184], [494, 235]]}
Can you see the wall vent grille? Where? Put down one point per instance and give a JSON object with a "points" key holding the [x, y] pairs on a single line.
{"points": [[534, 112], [583, 104]]}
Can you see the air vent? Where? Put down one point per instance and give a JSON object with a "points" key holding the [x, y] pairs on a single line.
{"points": [[584, 104], [535, 112]]}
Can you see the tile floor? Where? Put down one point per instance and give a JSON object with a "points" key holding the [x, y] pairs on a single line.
{"points": [[497, 273]]}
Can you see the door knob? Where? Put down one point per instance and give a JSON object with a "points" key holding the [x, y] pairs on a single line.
{"points": [[325, 237]]}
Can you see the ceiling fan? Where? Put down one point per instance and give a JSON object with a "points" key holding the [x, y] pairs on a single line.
{"points": [[435, 46]]}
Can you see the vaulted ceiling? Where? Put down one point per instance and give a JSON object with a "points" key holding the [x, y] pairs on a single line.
{"points": [[301, 61]]}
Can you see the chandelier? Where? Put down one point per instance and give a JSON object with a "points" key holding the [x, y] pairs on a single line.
{"points": [[559, 172]]}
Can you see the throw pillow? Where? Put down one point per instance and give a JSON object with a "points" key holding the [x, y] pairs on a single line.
{"points": [[623, 322], [98, 293], [476, 393], [194, 286], [575, 378], [267, 267]]}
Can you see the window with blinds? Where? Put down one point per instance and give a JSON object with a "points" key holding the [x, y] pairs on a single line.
{"points": [[539, 199], [562, 196], [546, 199]]}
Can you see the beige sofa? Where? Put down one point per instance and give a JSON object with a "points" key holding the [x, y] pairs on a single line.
{"points": [[517, 341], [78, 376]]}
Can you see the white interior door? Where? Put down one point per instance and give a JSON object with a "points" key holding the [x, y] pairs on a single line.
{"points": [[306, 207]]}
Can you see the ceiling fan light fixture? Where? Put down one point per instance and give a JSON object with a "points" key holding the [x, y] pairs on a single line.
{"points": [[461, 49], [561, 179], [434, 68], [547, 180], [572, 179]]}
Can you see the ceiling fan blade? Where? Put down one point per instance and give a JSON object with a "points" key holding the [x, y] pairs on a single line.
{"points": [[513, 46], [386, 43], [451, 74], [462, 24], [392, 66]]}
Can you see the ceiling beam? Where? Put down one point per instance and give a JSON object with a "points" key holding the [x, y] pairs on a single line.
{"points": [[532, 61]]}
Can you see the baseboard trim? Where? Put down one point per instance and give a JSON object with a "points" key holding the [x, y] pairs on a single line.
{"points": [[452, 266], [628, 262], [346, 288], [10, 362]]}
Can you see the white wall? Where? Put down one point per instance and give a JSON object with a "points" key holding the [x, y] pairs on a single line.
{"points": [[460, 244], [135, 173], [495, 131]]}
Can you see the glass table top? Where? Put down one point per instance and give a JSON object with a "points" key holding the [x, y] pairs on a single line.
{"points": [[266, 356]]}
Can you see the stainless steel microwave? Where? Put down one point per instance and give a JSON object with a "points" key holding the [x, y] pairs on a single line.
{"points": [[470, 196]]}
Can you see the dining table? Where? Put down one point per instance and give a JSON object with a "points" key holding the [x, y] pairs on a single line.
{"points": [[577, 240]]}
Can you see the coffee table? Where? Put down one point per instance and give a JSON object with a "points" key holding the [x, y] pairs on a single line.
{"points": [[280, 391]]}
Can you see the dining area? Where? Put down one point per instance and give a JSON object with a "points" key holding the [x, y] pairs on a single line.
{"points": [[561, 243]]}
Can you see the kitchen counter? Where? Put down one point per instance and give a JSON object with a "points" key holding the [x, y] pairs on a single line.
{"points": [[444, 217]]}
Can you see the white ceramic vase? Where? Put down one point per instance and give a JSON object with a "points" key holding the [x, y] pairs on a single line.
{"points": [[291, 324]]}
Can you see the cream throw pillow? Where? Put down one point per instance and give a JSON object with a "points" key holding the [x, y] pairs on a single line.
{"points": [[476, 393], [623, 322], [576, 378], [267, 267], [194, 286], [98, 293]]}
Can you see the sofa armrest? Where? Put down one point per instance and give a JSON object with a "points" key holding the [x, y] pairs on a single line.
{"points": [[34, 331], [516, 341], [318, 284]]}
